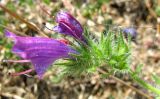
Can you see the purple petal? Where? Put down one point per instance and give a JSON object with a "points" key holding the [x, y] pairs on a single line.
{"points": [[70, 20], [68, 25], [62, 28], [41, 65], [41, 51], [9, 34], [130, 31]]}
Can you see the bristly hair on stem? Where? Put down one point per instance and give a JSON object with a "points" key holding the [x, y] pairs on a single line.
{"points": [[110, 49], [111, 52]]}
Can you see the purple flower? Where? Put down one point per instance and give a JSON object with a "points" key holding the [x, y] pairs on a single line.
{"points": [[68, 25], [130, 31], [40, 51]]}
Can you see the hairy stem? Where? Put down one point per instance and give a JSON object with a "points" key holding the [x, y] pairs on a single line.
{"points": [[145, 84]]}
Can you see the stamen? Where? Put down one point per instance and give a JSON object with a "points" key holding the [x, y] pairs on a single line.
{"points": [[28, 75], [17, 61], [47, 28], [22, 73]]}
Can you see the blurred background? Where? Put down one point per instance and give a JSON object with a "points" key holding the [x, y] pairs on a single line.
{"points": [[97, 16]]}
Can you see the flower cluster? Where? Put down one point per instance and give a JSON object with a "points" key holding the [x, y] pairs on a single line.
{"points": [[42, 52]]}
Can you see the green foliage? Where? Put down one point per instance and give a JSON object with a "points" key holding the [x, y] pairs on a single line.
{"points": [[157, 10], [57, 78], [158, 97], [24, 2], [90, 9], [110, 51], [11, 6], [100, 2], [7, 51], [47, 1]]}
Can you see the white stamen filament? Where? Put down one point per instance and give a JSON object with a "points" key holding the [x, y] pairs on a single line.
{"points": [[17, 61]]}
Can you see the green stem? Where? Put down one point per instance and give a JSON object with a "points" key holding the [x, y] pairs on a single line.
{"points": [[145, 84]]}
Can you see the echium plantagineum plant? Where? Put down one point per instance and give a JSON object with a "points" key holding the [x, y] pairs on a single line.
{"points": [[84, 55]]}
